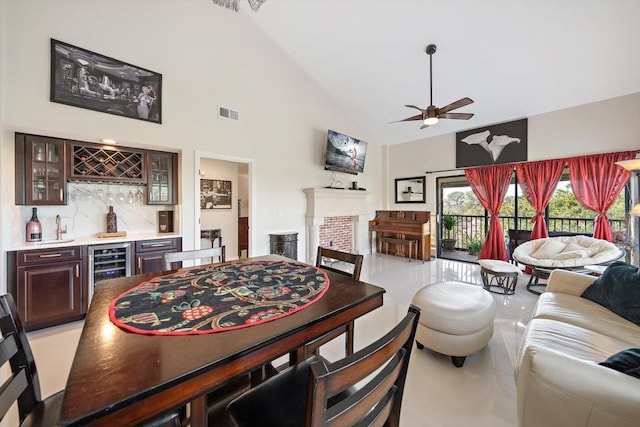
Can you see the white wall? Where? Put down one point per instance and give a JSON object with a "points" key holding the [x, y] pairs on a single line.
{"points": [[208, 56], [601, 127]]}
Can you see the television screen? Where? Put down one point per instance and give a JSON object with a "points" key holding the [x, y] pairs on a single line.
{"points": [[344, 153]]}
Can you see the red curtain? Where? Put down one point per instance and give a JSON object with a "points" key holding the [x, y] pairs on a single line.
{"points": [[489, 184], [538, 181], [596, 182]]}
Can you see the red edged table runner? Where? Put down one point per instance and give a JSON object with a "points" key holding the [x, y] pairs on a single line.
{"points": [[219, 297]]}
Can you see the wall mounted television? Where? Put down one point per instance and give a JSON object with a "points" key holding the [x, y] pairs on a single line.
{"points": [[344, 153]]}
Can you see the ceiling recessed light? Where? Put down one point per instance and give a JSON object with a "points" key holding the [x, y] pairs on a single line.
{"points": [[109, 141]]}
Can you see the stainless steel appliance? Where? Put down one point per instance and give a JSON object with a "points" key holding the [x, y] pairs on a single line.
{"points": [[108, 261]]}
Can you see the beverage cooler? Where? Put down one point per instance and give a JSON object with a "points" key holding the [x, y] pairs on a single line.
{"points": [[108, 262]]}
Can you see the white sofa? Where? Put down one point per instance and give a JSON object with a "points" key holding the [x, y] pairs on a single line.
{"points": [[558, 380]]}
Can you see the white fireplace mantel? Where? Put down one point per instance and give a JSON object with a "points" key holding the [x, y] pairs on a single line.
{"points": [[330, 202]]}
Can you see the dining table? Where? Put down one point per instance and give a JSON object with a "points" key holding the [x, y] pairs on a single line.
{"points": [[119, 377]]}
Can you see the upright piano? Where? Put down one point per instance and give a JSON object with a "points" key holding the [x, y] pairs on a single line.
{"points": [[402, 225]]}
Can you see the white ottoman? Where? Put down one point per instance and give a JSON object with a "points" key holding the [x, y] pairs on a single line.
{"points": [[499, 276], [456, 319]]}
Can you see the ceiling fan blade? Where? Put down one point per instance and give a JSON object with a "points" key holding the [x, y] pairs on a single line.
{"points": [[417, 108], [459, 116], [458, 104], [416, 117]]}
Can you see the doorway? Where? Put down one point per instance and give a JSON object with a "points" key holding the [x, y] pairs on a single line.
{"points": [[460, 218], [227, 223]]}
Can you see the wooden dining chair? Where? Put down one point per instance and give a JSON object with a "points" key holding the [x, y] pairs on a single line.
{"points": [[218, 253], [339, 262], [330, 260], [23, 386], [364, 388]]}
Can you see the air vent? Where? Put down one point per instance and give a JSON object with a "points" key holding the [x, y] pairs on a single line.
{"points": [[228, 113]]}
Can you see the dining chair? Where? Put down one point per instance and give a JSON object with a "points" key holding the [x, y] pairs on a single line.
{"points": [[22, 384], [330, 260], [364, 388], [218, 252]]}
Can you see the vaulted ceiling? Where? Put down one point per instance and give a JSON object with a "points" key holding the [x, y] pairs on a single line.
{"points": [[514, 58]]}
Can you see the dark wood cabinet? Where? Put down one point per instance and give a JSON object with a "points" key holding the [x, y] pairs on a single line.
{"points": [[243, 235], [162, 179], [150, 254], [44, 165], [285, 244], [48, 285], [40, 170]]}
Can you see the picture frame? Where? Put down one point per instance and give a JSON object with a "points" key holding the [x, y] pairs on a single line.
{"points": [[215, 194], [411, 190], [490, 145], [85, 79]]}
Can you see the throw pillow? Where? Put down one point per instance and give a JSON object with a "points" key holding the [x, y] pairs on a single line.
{"points": [[549, 249], [618, 289], [625, 361]]}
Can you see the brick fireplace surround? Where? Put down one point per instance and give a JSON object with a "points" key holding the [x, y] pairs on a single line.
{"points": [[339, 217]]}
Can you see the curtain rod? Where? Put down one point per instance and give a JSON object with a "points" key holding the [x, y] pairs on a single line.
{"points": [[524, 161]]}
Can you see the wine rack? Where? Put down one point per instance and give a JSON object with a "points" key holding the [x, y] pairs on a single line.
{"points": [[97, 163]]}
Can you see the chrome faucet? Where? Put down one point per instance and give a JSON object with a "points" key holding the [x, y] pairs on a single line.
{"points": [[60, 231]]}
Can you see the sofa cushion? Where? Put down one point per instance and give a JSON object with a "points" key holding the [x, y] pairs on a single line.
{"points": [[586, 314], [618, 289], [626, 361], [571, 340]]}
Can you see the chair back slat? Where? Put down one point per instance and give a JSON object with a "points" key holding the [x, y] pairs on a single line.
{"points": [[380, 414], [172, 257], [345, 257], [355, 368], [383, 364], [355, 407], [11, 390], [23, 385]]}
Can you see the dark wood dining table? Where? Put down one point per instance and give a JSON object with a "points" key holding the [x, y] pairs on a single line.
{"points": [[122, 378]]}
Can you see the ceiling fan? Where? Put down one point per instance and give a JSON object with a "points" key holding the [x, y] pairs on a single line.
{"points": [[431, 115]]}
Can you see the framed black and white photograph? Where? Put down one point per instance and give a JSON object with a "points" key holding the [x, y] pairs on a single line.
{"points": [[215, 194], [490, 145], [85, 79], [411, 190]]}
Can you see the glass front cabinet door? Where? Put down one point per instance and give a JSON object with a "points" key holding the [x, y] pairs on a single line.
{"points": [[162, 178], [40, 170]]}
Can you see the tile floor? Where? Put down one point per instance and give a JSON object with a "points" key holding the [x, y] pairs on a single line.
{"points": [[481, 393]]}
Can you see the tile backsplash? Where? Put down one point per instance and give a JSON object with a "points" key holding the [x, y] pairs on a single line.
{"points": [[85, 215]]}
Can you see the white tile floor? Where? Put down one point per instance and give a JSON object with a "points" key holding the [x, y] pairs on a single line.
{"points": [[481, 393]]}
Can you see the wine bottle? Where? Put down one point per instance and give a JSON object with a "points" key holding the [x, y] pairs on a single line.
{"points": [[34, 228], [112, 221]]}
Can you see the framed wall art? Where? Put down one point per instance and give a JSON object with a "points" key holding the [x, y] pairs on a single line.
{"points": [[85, 79], [215, 194], [490, 145], [411, 190]]}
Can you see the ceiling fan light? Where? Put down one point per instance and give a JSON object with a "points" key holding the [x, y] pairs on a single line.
{"points": [[429, 121]]}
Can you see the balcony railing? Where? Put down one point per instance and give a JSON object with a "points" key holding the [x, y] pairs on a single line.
{"points": [[469, 226]]}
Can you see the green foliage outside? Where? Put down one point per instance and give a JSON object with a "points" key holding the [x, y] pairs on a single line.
{"points": [[563, 204], [474, 244]]}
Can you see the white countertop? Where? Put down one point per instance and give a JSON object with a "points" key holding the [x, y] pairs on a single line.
{"points": [[90, 240]]}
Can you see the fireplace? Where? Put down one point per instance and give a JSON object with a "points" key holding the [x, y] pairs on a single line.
{"points": [[335, 205]]}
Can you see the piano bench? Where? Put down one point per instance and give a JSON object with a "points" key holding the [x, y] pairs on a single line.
{"points": [[400, 242]]}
